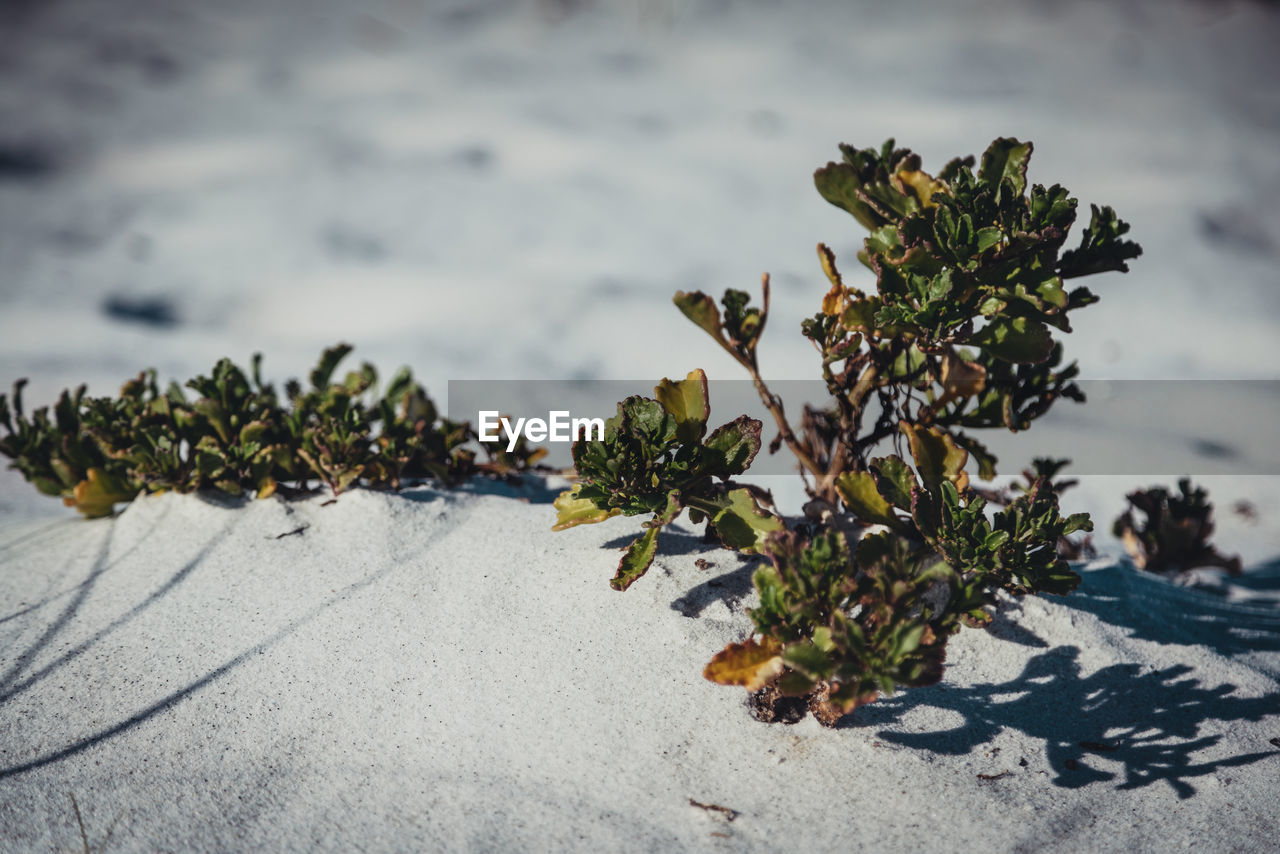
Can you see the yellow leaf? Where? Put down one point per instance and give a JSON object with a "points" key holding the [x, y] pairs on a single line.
{"points": [[688, 402], [572, 510], [751, 664], [920, 184], [98, 494], [859, 493], [937, 456], [833, 303]]}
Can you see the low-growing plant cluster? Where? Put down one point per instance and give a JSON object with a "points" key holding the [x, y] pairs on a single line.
{"points": [[1173, 532], [897, 550], [656, 458], [236, 434]]}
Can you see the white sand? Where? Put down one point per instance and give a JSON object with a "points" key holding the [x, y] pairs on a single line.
{"points": [[439, 671]]}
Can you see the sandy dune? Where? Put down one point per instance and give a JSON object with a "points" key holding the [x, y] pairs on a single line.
{"points": [[437, 671]]}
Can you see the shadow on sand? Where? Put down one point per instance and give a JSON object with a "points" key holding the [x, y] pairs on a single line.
{"points": [[21, 676], [1156, 725], [1148, 723]]}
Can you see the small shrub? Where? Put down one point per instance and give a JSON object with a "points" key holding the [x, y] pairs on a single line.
{"points": [[898, 550], [1173, 534], [657, 459]]}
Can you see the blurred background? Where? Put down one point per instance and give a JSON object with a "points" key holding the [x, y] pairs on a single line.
{"points": [[513, 189]]}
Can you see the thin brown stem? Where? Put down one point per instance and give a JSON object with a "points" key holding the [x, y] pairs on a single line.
{"points": [[772, 402]]}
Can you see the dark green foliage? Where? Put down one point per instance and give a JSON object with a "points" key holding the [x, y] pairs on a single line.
{"points": [[656, 458], [1174, 533], [857, 623], [237, 435], [958, 335]]}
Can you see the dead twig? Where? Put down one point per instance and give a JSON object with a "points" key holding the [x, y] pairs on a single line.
{"points": [[729, 814]]}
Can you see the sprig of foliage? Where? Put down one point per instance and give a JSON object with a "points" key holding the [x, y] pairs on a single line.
{"points": [[1069, 548], [236, 435], [1173, 534], [969, 284], [657, 459]]}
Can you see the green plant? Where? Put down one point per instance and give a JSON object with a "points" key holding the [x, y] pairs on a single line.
{"points": [[1070, 548], [1173, 535], [237, 435], [657, 459], [958, 336]]}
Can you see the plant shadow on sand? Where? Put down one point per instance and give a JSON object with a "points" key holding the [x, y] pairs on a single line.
{"points": [[1148, 722], [1152, 608], [674, 543], [21, 674]]}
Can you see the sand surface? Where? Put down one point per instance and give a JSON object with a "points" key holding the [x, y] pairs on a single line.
{"points": [[439, 671]]}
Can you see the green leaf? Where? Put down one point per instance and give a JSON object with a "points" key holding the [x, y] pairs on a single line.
{"points": [[995, 540], [742, 525], [1015, 339], [809, 659], [860, 315], [636, 561], [1006, 160], [209, 463], [732, 447], [839, 184], [688, 402], [648, 418], [253, 432], [741, 324], [894, 481], [329, 360], [1101, 248], [668, 513], [986, 238]]}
